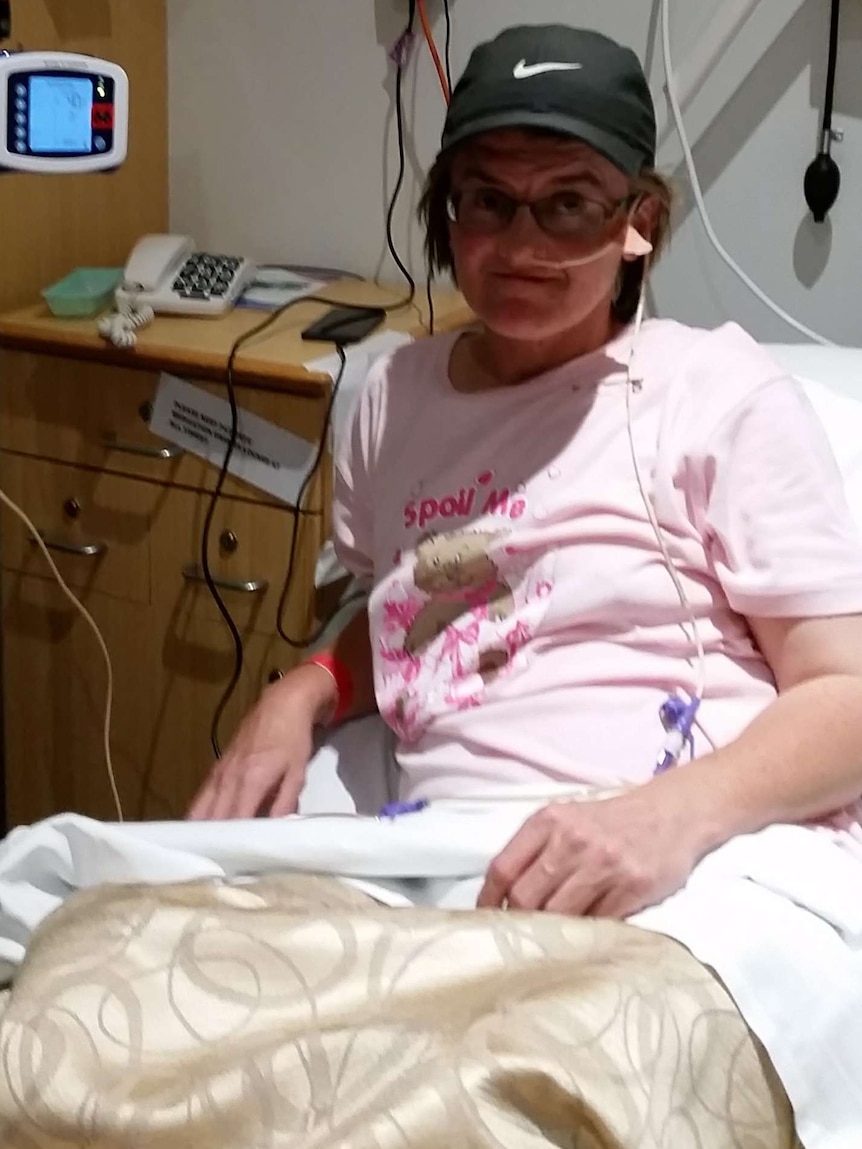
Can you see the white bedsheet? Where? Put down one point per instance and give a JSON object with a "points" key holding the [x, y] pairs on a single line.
{"points": [[777, 914]]}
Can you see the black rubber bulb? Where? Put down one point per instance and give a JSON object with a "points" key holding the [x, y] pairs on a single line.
{"points": [[822, 184]]}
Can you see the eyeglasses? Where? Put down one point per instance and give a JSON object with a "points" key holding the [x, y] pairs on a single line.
{"points": [[486, 210]]}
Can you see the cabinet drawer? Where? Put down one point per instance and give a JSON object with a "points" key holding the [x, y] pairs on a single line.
{"points": [[97, 526], [98, 416], [169, 674], [54, 700], [249, 555]]}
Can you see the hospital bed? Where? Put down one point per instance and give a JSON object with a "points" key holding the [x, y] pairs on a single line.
{"points": [[246, 1004]]}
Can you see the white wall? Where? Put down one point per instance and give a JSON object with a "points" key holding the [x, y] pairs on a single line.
{"points": [[283, 142]]}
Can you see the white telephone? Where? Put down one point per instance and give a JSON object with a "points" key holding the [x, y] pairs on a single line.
{"points": [[166, 273]]}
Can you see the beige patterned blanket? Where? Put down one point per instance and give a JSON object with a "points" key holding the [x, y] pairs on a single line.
{"points": [[295, 1012]]}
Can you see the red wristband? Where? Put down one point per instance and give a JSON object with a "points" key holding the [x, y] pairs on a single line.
{"points": [[341, 676]]}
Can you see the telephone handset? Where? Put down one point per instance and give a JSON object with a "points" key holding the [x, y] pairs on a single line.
{"points": [[165, 272], [155, 258]]}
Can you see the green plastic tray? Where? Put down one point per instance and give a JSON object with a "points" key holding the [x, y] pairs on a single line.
{"points": [[84, 293]]}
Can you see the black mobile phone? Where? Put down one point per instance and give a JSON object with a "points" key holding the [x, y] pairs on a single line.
{"points": [[345, 325]]}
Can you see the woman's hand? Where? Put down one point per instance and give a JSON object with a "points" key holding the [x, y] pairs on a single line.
{"points": [[607, 858], [263, 769]]}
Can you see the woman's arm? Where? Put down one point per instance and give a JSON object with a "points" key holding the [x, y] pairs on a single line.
{"points": [[802, 757], [263, 768]]}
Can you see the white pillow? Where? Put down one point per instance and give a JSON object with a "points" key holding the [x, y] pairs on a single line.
{"points": [[838, 368], [832, 379]]}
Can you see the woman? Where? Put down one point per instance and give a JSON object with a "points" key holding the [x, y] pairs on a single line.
{"points": [[568, 521]]}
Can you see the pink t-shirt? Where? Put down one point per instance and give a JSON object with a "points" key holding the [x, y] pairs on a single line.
{"points": [[524, 627]]}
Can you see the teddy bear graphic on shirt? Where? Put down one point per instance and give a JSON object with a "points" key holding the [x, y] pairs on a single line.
{"points": [[458, 575], [470, 603]]}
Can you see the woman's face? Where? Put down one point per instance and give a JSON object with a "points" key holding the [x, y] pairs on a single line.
{"points": [[506, 272]]}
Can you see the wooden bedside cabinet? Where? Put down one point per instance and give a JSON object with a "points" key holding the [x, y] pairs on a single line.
{"points": [[122, 512]]}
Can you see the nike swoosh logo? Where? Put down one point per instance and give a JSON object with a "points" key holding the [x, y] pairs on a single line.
{"points": [[523, 70]]}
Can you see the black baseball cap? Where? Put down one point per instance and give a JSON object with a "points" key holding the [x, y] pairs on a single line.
{"points": [[568, 80]]}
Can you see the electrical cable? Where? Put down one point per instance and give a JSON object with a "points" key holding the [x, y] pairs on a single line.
{"points": [[406, 301], [206, 533], [429, 280], [670, 81], [822, 181], [432, 48], [448, 51], [315, 636], [223, 610], [402, 158], [832, 67], [429, 276], [91, 622], [304, 643], [310, 640]]}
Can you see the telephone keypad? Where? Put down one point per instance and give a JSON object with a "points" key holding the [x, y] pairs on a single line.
{"points": [[203, 276]]}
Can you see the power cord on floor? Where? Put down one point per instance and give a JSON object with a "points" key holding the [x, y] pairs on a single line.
{"points": [[91, 622]]}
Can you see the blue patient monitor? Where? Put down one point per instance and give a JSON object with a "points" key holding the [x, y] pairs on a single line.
{"points": [[62, 113]]}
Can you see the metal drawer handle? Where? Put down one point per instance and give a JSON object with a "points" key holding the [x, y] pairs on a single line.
{"points": [[110, 440], [85, 550], [193, 573]]}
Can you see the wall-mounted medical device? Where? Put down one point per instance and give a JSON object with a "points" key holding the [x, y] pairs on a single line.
{"points": [[62, 113], [823, 176]]}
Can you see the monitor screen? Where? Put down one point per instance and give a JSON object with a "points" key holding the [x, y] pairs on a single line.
{"points": [[61, 115]]}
